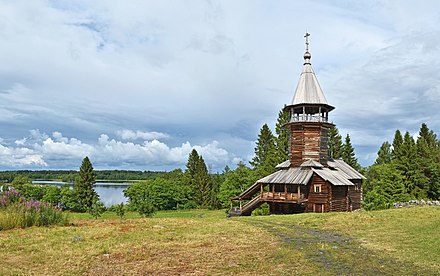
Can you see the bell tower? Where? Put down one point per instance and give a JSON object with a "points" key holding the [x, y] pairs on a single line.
{"points": [[308, 124]]}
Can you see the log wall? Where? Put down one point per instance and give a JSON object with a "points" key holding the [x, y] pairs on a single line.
{"points": [[338, 201], [308, 141], [285, 208], [319, 202], [333, 198], [355, 195]]}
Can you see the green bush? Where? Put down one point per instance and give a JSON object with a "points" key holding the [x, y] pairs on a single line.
{"points": [[375, 201], [263, 210], [120, 210], [97, 208], [146, 208], [164, 194]]}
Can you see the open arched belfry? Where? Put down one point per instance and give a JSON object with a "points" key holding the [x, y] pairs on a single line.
{"points": [[309, 181]]}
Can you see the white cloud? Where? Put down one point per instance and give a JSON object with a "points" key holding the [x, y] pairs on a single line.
{"points": [[155, 153], [63, 152], [127, 134], [20, 142], [11, 157], [69, 149]]}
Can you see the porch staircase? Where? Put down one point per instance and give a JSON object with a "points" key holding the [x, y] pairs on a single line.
{"points": [[246, 209]]}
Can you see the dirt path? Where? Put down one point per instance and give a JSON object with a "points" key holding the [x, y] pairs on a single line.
{"points": [[337, 254]]}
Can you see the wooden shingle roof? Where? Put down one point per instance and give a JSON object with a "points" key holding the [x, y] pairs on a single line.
{"points": [[338, 173], [308, 90]]}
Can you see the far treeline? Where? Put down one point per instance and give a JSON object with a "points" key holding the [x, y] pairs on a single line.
{"points": [[71, 175]]}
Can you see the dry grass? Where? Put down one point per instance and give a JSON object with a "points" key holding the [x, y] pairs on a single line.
{"points": [[201, 245], [205, 242]]}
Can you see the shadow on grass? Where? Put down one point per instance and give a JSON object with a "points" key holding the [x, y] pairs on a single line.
{"points": [[337, 254]]}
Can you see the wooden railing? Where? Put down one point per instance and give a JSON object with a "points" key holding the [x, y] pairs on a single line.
{"points": [[308, 118], [281, 196]]}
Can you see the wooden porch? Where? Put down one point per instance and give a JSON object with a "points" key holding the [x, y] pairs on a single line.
{"points": [[283, 197], [271, 193]]}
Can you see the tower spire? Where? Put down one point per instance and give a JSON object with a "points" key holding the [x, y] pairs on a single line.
{"points": [[307, 41], [307, 55]]}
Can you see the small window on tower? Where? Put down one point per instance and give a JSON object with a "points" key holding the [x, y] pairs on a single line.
{"points": [[317, 188]]}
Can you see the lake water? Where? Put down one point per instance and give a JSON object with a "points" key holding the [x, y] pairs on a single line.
{"points": [[110, 193]]}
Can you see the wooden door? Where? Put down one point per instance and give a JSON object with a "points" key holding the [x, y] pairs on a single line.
{"points": [[318, 208]]}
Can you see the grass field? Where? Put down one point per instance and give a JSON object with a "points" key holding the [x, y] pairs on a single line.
{"points": [[392, 242]]}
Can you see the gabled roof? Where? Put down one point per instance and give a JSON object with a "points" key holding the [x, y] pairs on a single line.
{"points": [[335, 177], [291, 176], [338, 173], [296, 175], [284, 165], [311, 163], [339, 164]]}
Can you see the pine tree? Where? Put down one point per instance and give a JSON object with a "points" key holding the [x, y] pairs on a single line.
{"points": [[282, 139], [335, 146], [348, 154], [265, 160], [384, 154], [397, 142], [85, 193]]}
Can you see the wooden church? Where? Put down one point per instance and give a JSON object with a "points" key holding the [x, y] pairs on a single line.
{"points": [[309, 181]]}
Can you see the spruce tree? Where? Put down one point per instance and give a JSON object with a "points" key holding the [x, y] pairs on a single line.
{"points": [[348, 154], [427, 135], [190, 171], [201, 184], [397, 142], [384, 154], [335, 146], [428, 152], [426, 149], [215, 182], [417, 162], [85, 193], [226, 170], [191, 165], [265, 160], [198, 180], [282, 138], [434, 183], [385, 187], [408, 163]]}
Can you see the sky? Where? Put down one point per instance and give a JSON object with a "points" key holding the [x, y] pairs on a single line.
{"points": [[138, 84]]}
